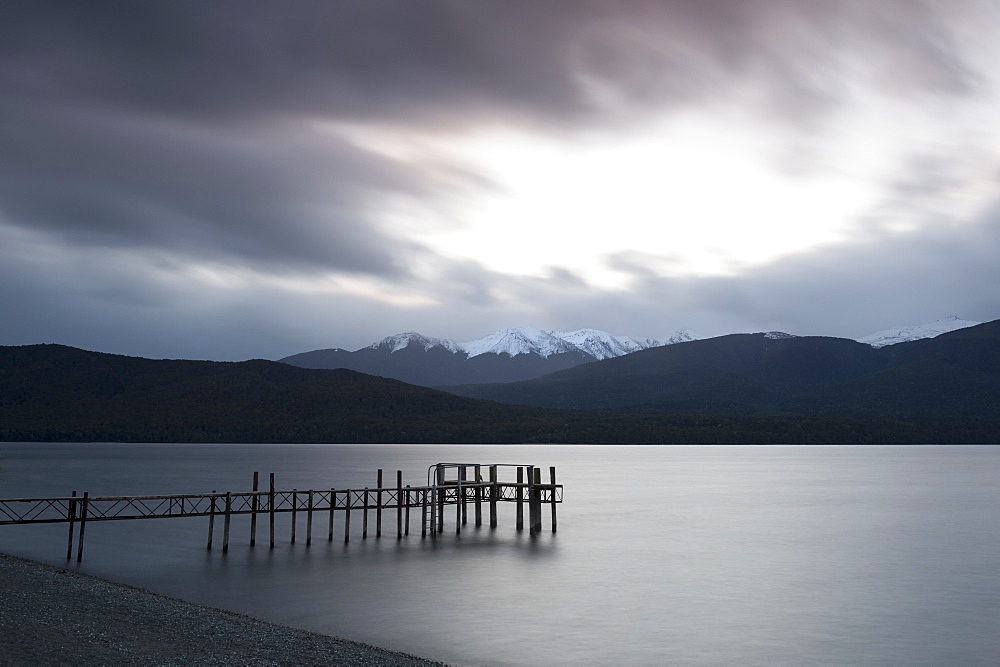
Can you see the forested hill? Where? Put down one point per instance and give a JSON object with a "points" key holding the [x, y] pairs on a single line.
{"points": [[58, 393]]}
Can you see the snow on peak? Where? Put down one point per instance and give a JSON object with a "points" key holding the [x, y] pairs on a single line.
{"points": [[532, 340], [602, 345], [916, 332], [404, 340], [679, 336], [519, 340], [778, 335]]}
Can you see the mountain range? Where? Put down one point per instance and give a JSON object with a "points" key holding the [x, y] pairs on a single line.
{"points": [[526, 352], [955, 375], [517, 353], [944, 388]]}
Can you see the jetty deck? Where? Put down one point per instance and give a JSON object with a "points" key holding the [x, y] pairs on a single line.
{"points": [[461, 485]]}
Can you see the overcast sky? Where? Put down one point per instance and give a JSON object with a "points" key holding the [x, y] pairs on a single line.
{"points": [[227, 180]]}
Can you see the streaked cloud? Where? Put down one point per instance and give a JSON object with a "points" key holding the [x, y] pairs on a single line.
{"points": [[181, 175]]}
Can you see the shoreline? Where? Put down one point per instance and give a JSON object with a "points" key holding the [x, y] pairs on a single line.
{"points": [[51, 615]]}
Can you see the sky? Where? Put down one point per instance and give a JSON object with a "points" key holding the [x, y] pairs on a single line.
{"points": [[242, 179]]}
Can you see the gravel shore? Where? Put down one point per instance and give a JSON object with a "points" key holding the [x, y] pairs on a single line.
{"points": [[53, 616]]}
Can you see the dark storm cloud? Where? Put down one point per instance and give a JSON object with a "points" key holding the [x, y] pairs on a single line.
{"points": [[351, 57], [410, 60], [276, 198]]}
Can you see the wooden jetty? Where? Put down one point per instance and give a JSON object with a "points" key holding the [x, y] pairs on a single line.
{"points": [[447, 484]]}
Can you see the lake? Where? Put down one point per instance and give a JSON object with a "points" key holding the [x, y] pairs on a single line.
{"points": [[668, 554]]}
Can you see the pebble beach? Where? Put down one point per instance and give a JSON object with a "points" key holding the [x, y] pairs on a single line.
{"points": [[50, 615]]}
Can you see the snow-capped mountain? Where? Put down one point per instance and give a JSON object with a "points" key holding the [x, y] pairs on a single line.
{"points": [[916, 332], [404, 340], [519, 340], [517, 353], [526, 352], [532, 340], [679, 336], [602, 345]]}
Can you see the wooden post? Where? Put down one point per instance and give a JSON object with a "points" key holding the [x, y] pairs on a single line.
{"points": [[440, 500], [432, 521], [461, 494], [423, 513], [333, 504], [309, 520], [364, 518], [552, 480], [459, 501], [494, 492], [295, 507], [71, 516], [253, 509], [406, 521], [535, 499], [378, 506], [479, 497], [520, 498], [347, 518], [531, 500], [211, 520], [83, 524], [399, 504], [225, 529], [270, 508]]}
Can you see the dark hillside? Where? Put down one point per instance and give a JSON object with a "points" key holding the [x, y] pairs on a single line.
{"points": [[742, 373], [953, 376], [56, 393]]}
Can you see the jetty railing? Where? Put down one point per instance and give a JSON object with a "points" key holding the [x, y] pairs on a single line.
{"points": [[448, 484]]}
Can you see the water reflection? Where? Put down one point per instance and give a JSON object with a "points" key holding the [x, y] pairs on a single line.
{"points": [[664, 554]]}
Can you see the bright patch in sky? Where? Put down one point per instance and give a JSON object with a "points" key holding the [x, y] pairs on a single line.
{"points": [[694, 197]]}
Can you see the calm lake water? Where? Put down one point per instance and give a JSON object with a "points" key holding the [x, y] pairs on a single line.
{"points": [[690, 555]]}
